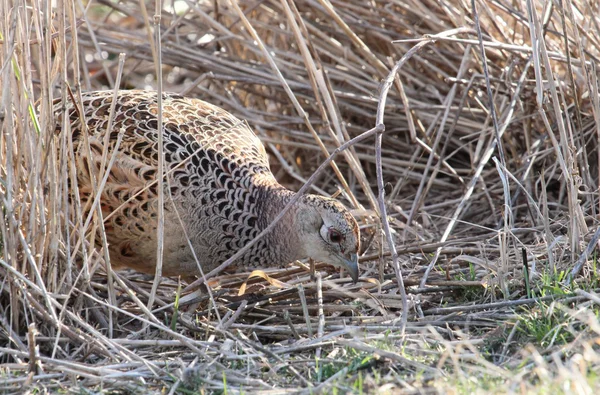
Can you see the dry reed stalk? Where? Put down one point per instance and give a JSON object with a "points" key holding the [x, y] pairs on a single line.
{"points": [[490, 147]]}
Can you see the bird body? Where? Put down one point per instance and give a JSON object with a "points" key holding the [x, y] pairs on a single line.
{"points": [[219, 190]]}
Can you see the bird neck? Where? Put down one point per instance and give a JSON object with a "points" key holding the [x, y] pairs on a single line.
{"points": [[283, 240]]}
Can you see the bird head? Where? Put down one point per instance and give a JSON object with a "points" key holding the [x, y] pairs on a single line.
{"points": [[329, 233]]}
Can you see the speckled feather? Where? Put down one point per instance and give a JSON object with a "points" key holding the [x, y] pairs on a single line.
{"points": [[219, 190]]}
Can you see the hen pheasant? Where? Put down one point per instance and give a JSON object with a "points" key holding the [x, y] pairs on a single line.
{"points": [[219, 191]]}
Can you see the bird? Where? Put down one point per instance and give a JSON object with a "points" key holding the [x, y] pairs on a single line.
{"points": [[219, 192]]}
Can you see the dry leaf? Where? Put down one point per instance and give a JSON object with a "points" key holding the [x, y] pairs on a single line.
{"points": [[265, 276]]}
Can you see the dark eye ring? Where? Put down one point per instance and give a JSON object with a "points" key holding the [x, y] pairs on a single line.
{"points": [[335, 236]]}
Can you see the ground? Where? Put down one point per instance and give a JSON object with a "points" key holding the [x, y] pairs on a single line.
{"points": [[487, 169]]}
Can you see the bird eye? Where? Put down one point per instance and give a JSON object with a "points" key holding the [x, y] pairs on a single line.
{"points": [[335, 236]]}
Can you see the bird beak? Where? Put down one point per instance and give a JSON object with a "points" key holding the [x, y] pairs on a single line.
{"points": [[352, 266]]}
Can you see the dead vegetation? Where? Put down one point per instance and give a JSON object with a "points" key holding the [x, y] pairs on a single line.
{"points": [[492, 210]]}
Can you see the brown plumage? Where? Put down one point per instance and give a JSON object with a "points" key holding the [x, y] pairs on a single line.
{"points": [[219, 191]]}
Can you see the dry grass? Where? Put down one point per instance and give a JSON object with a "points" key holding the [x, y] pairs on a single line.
{"points": [[492, 210]]}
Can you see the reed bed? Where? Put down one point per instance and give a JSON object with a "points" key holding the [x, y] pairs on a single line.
{"points": [[464, 136]]}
